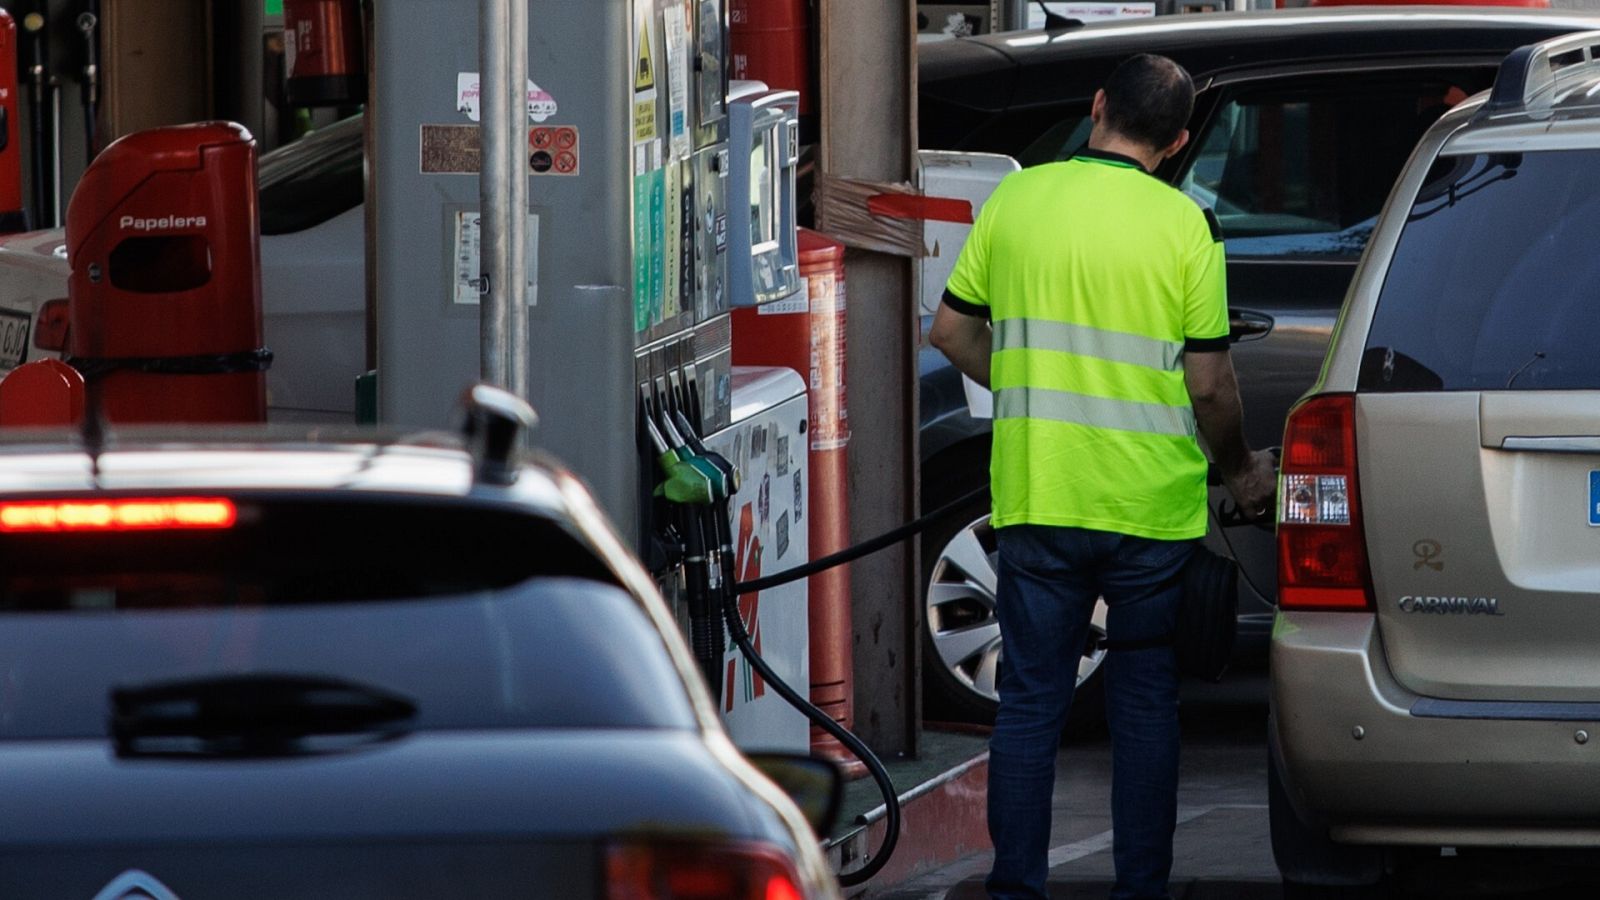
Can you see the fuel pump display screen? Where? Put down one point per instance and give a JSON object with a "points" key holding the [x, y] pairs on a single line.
{"points": [[763, 195]]}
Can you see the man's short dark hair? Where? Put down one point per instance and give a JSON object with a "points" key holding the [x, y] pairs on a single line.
{"points": [[1149, 99]]}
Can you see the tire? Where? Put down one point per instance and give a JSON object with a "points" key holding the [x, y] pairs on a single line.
{"points": [[961, 644], [1312, 865]]}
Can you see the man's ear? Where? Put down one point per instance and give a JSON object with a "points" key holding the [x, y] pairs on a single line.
{"points": [[1097, 109], [1175, 146]]}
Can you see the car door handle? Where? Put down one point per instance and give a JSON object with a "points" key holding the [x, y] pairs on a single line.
{"points": [[1559, 443], [1248, 325]]}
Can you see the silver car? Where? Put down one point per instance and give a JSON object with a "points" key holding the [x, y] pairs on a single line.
{"points": [[1435, 680]]}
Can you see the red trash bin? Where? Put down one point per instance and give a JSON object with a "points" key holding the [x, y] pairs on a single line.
{"points": [[164, 298]]}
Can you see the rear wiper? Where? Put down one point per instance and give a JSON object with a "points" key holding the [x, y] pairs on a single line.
{"points": [[254, 715]]}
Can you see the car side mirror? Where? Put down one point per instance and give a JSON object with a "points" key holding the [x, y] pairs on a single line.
{"points": [[51, 331], [815, 785]]}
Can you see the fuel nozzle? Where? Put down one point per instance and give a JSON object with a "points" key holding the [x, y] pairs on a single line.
{"points": [[684, 483], [686, 416]]}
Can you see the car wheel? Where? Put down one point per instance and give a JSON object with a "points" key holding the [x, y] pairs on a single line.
{"points": [[962, 650], [1312, 865]]}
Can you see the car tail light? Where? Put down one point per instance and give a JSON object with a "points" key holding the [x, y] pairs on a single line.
{"points": [[1322, 550], [122, 514], [681, 870]]}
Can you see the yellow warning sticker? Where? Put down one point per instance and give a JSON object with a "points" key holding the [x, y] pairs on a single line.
{"points": [[644, 71], [644, 120]]}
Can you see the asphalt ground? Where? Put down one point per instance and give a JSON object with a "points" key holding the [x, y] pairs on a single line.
{"points": [[1222, 848]]}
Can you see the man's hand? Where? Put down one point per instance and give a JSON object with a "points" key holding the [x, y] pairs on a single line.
{"points": [[1254, 486], [1251, 475]]}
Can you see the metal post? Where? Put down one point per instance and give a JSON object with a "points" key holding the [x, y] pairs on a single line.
{"points": [[494, 188], [517, 175]]}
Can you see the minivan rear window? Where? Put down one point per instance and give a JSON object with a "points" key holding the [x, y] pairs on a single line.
{"points": [[1495, 282]]}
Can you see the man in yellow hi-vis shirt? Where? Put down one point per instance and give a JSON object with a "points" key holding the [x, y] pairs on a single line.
{"points": [[1091, 298]]}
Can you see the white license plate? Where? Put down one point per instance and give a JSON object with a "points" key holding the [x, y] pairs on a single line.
{"points": [[14, 327]]}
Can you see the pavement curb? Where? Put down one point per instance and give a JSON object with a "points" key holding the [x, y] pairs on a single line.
{"points": [[942, 820]]}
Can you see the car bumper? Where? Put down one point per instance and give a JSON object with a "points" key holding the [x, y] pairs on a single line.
{"points": [[1355, 757]]}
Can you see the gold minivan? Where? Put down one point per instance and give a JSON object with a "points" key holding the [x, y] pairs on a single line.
{"points": [[1436, 654]]}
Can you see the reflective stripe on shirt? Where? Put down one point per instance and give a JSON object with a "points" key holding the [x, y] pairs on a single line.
{"points": [[1084, 340], [1095, 412]]}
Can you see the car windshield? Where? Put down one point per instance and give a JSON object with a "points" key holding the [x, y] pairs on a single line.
{"points": [[312, 180], [478, 617], [1494, 278]]}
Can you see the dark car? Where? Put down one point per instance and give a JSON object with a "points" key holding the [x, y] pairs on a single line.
{"points": [[266, 666], [1303, 120]]}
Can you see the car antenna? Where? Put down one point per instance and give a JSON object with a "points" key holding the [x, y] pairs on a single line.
{"points": [[1054, 21], [93, 427]]}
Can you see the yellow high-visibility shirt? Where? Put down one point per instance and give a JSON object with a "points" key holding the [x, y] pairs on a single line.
{"points": [[1097, 278]]}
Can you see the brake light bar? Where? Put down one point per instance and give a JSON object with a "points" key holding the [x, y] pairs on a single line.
{"points": [[121, 514], [691, 870], [1322, 548]]}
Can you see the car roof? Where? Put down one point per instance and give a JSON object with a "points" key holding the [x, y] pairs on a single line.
{"points": [[265, 458], [977, 72], [1566, 115]]}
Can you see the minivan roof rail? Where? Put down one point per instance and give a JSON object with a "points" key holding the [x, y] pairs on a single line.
{"points": [[1530, 71]]}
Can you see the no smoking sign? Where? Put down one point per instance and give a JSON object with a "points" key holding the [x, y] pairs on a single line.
{"points": [[553, 150]]}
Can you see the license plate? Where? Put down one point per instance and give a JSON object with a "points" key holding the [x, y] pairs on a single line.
{"points": [[1594, 497], [13, 337]]}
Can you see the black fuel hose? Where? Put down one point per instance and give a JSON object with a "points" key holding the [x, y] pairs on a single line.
{"points": [[880, 775], [741, 639], [865, 548]]}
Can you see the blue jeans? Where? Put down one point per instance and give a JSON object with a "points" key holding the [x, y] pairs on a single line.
{"points": [[1050, 578]]}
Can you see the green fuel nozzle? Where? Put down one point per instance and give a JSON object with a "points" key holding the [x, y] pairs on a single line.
{"points": [[686, 453], [684, 482]]}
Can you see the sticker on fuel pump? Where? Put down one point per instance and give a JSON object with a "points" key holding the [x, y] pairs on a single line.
{"points": [[465, 258], [644, 81], [14, 327], [469, 97], [553, 150]]}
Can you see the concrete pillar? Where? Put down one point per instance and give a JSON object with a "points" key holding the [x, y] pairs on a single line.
{"points": [[868, 105]]}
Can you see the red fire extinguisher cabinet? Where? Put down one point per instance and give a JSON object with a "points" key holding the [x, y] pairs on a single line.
{"points": [[323, 52], [770, 41], [811, 340], [164, 298], [13, 217]]}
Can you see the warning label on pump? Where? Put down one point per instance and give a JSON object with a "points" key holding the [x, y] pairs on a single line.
{"points": [[469, 279], [644, 81], [553, 150], [456, 150], [644, 71]]}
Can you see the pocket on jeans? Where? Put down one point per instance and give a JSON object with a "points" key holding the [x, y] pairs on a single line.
{"points": [[1148, 553], [1030, 547]]}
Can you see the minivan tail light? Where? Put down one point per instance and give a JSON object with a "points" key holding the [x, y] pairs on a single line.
{"points": [[688, 870], [1322, 549], [121, 514]]}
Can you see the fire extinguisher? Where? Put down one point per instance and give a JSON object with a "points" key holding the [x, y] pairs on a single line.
{"points": [[323, 52]]}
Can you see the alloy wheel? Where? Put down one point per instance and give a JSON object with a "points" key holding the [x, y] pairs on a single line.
{"points": [[961, 620]]}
